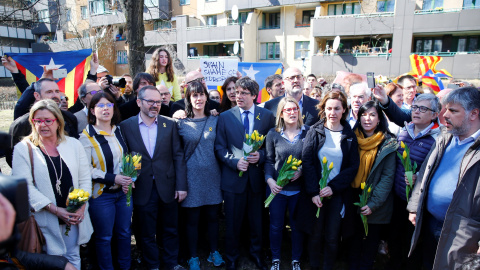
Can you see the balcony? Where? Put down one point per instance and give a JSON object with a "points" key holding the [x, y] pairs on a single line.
{"points": [[208, 34], [245, 4], [446, 20], [355, 24], [44, 28], [160, 37], [107, 18]]}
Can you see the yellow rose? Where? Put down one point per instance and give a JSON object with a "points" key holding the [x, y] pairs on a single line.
{"points": [[362, 185], [324, 160], [331, 165], [402, 144]]}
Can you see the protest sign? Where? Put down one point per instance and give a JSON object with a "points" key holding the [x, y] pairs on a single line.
{"points": [[217, 70]]}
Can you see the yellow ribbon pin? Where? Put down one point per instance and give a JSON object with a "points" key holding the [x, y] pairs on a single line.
{"points": [[258, 117], [164, 125], [210, 129], [303, 117]]}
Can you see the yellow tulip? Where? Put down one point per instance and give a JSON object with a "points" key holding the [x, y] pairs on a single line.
{"points": [[299, 163], [369, 190], [246, 135], [289, 159], [261, 138], [404, 155], [331, 165], [402, 144], [294, 168], [362, 185], [134, 159], [86, 194], [253, 136], [72, 196], [127, 159], [324, 160], [80, 193]]}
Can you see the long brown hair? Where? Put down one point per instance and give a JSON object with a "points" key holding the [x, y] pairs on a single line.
{"points": [[154, 67], [333, 95]]}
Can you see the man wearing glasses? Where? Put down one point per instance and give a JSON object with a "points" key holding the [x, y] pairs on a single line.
{"points": [[192, 76], [85, 93], [293, 82], [409, 84], [162, 183], [243, 194]]}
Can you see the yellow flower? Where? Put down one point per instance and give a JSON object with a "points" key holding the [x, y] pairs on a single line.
{"points": [[135, 159], [253, 136], [261, 137], [369, 190], [402, 144], [294, 168], [331, 165], [299, 163], [86, 194], [289, 159], [324, 160], [80, 193], [404, 155], [362, 185], [127, 159], [138, 166], [246, 135], [72, 196]]}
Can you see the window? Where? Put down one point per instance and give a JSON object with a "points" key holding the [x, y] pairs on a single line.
{"points": [[432, 4], [386, 6], [86, 33], [43, 16], [300, 45], [99, 7], [470, 4], [84, 11], [210, 0], [428, 45], [212, 20], [151, 3], [69, 14], [344, 9], [242, 18], [122, 57], [162, 25], [467, 44], [270, 51], [271, 20], [307, 15], [184, 2]]}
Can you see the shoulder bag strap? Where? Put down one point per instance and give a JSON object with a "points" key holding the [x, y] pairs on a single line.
{"points": [[30, 153], [187, 157]]}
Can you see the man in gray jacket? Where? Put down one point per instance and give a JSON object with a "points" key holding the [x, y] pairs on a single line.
{"points": [[444, 206]]}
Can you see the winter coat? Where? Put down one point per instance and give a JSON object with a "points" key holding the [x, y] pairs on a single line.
{"points": [[461, 228]]}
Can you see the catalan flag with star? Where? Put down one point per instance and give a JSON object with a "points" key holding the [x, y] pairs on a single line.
{"points": [[77, 64]]}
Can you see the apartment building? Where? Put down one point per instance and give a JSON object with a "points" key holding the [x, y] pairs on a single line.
{"points": [[375, 35]]}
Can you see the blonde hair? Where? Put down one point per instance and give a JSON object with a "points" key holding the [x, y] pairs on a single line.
{"points": [[280, 123], [51, 106]]}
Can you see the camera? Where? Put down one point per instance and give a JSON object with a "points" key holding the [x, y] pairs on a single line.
{"points": [[16, 191], [118, 82]]}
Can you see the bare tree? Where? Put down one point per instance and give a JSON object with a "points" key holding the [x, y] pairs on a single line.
{"points": [[135, 34]]}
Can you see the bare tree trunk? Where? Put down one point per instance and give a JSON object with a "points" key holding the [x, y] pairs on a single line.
{"points": [[135, 34]]}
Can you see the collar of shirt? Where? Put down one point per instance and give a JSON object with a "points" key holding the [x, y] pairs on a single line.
{"points": [[85, 110], [295, 139], [140, 120], [469, 139], [251, 110], [411, 130], [104, 133]]}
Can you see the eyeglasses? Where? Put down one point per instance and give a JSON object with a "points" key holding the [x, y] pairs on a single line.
{"points": [[102, 105], [215, 98], [421, 109], [242, 93], [291, 110], [292, 78], [64, 98], [94, 92], [200, 80], [151, 102], [48, 122]]}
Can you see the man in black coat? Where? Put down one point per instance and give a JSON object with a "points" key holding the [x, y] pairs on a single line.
{"points": [[293, 81]]}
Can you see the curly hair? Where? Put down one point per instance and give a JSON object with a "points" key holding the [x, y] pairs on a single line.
{"points": [[154, 67]]}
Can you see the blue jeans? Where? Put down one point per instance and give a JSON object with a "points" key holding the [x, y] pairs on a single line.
{"points": [[278, 208], [109, 213]]}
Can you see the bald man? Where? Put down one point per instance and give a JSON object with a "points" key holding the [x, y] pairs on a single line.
{"points": [[293, 82]]}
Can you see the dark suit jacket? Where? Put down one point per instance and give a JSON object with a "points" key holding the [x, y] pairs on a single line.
{"points": [[166, 169], [229, 149], [180, 105], [309, 111], [130, 109]]}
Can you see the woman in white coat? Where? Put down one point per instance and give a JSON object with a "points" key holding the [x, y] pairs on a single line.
{"points": [[59, 163]]}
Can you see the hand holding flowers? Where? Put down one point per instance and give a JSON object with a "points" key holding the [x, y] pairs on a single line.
{"points": [[250, 147], [289, 168], [366, 192], [76, 201], [131, 166], [409, 169], [324, 190]]}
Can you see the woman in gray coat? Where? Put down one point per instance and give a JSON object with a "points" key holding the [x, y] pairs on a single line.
{"points": [[377, 148]]}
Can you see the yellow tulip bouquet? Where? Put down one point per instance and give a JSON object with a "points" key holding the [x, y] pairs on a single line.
{"points": [[409, 169], [252, 144], [290, 166], [323, 181], [76, 199], [366, 192], [131, 166]]}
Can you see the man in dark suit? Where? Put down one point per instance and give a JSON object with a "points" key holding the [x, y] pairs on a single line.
{"points": [[293, 81], [162, 180], [244, 193]]}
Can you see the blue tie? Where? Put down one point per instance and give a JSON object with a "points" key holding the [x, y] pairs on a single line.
{"points": [[246, 123]]}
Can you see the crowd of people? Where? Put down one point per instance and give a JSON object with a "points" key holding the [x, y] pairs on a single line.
{"points": [[196, 167]]}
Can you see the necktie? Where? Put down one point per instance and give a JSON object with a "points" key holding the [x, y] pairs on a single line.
{"points": [[246, 123]]}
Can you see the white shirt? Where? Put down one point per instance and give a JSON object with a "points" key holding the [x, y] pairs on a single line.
{"points": [[351, 119], [250, 117]]}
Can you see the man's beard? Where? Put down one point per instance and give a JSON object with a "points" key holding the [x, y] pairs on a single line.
{"points": [[459, 130]]}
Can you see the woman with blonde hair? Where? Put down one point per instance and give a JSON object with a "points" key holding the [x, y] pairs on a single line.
{"points": [[59, 163], [282, 141], [161, 68]]}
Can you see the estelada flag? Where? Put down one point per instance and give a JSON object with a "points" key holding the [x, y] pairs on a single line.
{"points": [[434, 81], [257, 72], [422, 64], [77, 64]]}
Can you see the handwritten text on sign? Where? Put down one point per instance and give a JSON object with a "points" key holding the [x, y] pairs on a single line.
{"points": [[216, 70]]}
